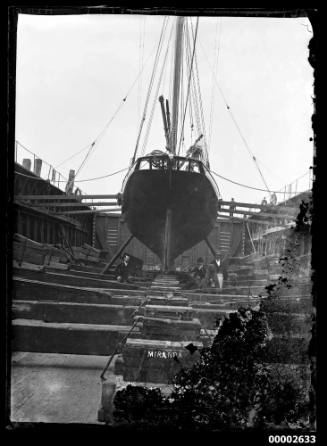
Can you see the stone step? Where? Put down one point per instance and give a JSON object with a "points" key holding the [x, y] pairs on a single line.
{"points": [[168, 311], [160, 300], [233, 291], [165, 281], [165, 288], [72, 312], [295, 289], [71, 279], [288, 304], [24, 289], [288, 323], [170, 329], [219, 298], [245, 282], [82, 339]]}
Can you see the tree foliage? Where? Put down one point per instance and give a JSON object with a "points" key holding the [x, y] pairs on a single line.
{"points": [[228, 388]]}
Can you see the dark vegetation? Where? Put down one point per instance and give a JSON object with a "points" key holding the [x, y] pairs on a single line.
{"points": [[228, 388]]}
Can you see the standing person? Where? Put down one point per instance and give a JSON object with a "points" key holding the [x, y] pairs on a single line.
{"points": [[212, 278], [199, 272], [215, 274], [122, 269]]}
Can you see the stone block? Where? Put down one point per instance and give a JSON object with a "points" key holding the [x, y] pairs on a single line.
{"points": [[156, 361], [75, 312], [157, 328], [169, 311], [81, 339]]}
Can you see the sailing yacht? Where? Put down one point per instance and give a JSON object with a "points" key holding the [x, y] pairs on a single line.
{"points": [[170, 202]]}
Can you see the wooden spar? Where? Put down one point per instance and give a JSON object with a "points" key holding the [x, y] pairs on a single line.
{"points": [[63, 197], [115, 196], [164, 117], [168, 116], [256, 206], [260, 214], [91, 211], [248, 229], [120, 250], [176, 85], [246, 220], [173, 134], [213, 251]]}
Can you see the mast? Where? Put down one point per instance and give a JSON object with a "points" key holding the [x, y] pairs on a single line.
{"points": [[167, 262], [177, 80]]}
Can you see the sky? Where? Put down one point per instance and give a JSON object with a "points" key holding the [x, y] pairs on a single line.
{"points": [[73, 72]]}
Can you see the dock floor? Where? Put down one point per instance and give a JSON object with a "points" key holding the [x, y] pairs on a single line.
{"points": [[56, 388]]}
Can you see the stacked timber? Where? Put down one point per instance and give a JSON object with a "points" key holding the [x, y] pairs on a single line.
{"points": [[86, 252], [29, 252]]}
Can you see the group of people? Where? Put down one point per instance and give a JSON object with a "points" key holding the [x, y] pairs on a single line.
{"points": [[204, 276], [211, 276]]}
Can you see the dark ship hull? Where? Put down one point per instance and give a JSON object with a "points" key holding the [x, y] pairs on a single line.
{"points": [[170, 209]]}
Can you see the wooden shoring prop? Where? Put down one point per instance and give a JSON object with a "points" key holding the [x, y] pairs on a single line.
{"points": [[120, 250]]}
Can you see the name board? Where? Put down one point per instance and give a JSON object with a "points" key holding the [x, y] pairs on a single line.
{"points": [[164, 354]]}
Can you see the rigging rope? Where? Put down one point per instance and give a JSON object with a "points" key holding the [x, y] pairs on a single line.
{"points": [[188, 84], [192, 90], [141, 61], [181, 103], [246, 186], [201, 106], [216, 52], [237, 126], [164, 24], [126, 168], [115, 113], [72, 156], [270, 171], [155, 97], [77, 181]]}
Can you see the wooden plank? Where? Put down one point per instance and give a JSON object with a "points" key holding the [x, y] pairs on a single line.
{"points": [[91, 211], [260, 214], [51, 204], [257, 206], [233, 219]]}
